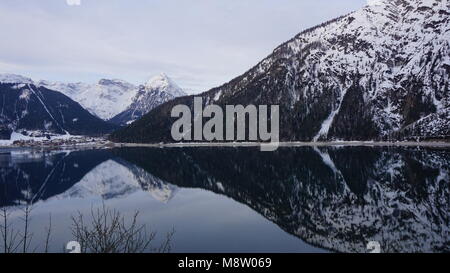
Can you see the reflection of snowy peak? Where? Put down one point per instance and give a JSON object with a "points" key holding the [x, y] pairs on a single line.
{"points": [[159, 190], [111, 179], [38, 176], [108, 180]]}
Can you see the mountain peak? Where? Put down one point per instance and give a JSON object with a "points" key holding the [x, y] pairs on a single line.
{"points": [[14, 78], [162, 82], [410, 6], [156, 91]]}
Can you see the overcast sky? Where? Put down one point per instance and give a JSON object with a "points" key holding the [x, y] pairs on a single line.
{"points": [[199, 43]]}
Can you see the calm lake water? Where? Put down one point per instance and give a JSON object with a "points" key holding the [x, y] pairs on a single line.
{"points": [[301, 199]]}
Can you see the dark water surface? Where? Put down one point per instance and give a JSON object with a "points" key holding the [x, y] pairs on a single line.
{"points": [[299, 199]]}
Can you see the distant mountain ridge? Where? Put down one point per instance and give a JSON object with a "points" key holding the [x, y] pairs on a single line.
{"points": [[105, 99], [112, 100], [118, 101], [27, 107], [380, 73]]}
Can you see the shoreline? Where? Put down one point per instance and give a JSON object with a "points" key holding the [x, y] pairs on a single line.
{"points": [[438, 144], [430, 144]]}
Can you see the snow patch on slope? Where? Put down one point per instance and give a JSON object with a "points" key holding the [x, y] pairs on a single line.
{"points": [[374, 2]]}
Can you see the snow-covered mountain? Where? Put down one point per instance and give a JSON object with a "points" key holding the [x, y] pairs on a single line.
{"points": [[13, 78], [381, 72], [112, 100], [155, 92], [104, 99], [27, 107], [163, 83], [119, 101]]}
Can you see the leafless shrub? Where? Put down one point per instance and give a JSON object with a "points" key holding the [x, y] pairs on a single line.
{"points": [[11, 239], [109, 232], [49, 232], [26, 236]]}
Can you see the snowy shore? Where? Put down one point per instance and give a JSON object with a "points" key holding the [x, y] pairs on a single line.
{"points": [[55, 141], [290, 144], [52, 141]]}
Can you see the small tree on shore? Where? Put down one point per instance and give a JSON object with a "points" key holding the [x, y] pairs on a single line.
{"points": [[109, 232]]}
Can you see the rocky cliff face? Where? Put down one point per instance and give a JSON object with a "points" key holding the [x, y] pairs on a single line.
{"points": [[381, 72]]}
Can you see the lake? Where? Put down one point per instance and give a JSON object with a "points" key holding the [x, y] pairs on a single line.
{"points": [[239, 199]]}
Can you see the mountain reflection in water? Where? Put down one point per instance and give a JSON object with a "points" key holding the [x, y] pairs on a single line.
{"points": [[335, 198]]}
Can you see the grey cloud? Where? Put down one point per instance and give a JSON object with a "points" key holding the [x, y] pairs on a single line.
{"points": [[201, 43]]}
